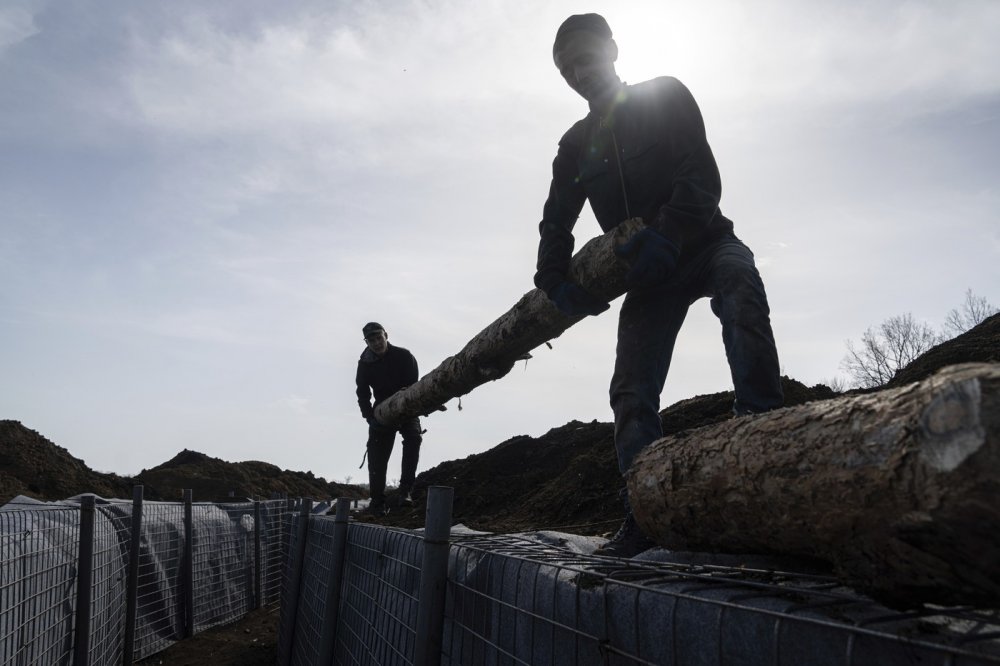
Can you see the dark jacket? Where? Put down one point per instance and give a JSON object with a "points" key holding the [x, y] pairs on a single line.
{"points": [[654, 142], [383, 375]]}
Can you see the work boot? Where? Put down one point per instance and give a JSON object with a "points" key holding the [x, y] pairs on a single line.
{"points": [[405, 498], [376, 509], [628, 541]]}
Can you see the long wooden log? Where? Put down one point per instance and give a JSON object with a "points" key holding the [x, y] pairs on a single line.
{"points": [[532, 321], [899, 490]]}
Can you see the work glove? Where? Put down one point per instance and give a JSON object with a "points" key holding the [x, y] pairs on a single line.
{"points": [[375, 424], [651, 257], [574, 300]]}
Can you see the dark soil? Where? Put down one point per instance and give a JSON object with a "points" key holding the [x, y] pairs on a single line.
{"points": [[253, 641], [33, 466], [979, 345], [566, 479]]}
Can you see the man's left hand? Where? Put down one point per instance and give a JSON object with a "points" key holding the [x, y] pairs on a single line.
{"points": [[575, 301], [651, 257]]}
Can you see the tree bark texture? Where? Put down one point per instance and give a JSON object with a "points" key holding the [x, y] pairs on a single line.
{"points": [[531, 322], [899, 490]]}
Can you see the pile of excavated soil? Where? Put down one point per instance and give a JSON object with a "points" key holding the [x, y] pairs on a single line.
{"points": [[33, 466], [979, 345], [212, 479]]}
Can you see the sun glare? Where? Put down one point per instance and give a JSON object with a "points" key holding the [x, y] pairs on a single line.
{"points": [[700, 45]]}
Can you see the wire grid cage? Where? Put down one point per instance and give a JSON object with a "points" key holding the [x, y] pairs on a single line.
{"points": [[39, 565], [276, 516], [313, 593], [289, 584], [516, 601], [223, 564], [107, 596], [159, 604], [38, 556], [378, 609], [376, 602]]}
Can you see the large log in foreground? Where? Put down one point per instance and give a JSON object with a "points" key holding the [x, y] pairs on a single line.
{"points": [[531, 322], [899, 490]]}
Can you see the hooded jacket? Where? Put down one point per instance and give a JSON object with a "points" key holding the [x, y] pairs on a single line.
{"points": [[649, 158], [383, 375]]}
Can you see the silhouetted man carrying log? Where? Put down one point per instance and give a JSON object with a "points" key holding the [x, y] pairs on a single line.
{"points": [[642, 152], [384, 369]]}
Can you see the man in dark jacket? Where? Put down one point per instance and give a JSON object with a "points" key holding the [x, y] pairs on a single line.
{"points": [[384, 369], [642, 152]]}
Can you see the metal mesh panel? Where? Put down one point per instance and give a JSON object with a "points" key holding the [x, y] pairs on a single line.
{"points": [[514, 601], [274, 548], [223, 563], [38, 555], [289, 585], [110, 562], [159, 610], [39, 550], [313, 590], [378, 610]]}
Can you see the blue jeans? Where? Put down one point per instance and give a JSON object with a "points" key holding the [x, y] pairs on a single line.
{"points": [[647, 330]]}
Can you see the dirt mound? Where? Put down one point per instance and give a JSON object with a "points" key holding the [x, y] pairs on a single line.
{"points": [[215, 480], [32, 465], [978, 345]]}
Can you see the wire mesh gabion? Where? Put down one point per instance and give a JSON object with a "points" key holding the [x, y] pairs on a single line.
{"points": [[39, 568]]}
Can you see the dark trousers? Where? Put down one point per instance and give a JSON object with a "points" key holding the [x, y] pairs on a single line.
{"points": [[647, 330], [380, 443]]}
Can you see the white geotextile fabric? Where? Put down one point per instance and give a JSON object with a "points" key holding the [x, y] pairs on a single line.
{"points": [[39, 549]]}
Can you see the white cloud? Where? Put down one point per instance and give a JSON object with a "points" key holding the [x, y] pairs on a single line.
{"points": [[295, 404], [16, 25]]}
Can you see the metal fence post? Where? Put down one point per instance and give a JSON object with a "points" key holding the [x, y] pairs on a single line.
{"points": [[286, 533], [132, 582], [297, 561], [84, 580], [187, 571], [433, 576], [332, 605], [258, 569]]}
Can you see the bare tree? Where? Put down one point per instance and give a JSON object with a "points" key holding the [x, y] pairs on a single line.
{"points": [[973, 312], [836, 384], [883, 351]]}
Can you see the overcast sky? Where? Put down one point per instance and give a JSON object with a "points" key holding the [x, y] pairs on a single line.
{"points": [[202, 203]]}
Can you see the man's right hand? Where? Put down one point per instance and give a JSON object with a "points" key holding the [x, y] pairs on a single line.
{"points": [[651, 257], [374, 423], [574, 300]]}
